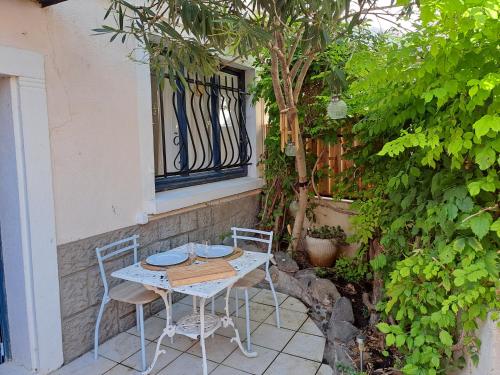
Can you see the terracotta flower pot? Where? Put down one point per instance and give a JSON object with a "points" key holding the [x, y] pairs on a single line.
{"points": [[322, 252]]}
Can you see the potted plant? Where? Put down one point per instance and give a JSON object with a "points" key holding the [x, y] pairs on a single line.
{"points": [[322, 244]]}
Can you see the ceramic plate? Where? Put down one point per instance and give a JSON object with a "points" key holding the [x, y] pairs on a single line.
{"points": [[214, 251], [168, 258]]}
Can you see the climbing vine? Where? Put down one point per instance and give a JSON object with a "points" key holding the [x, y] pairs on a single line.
{"points": [[430, 135]]}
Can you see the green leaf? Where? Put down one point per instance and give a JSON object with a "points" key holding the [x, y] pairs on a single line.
{"points": [[495, 227], [390, 339], [445, 338], [485, 124], [419, 340], [480, 224], [485, 157], [435, 361], [405, 271], [400, 340], [474, 188], [384, 327]]}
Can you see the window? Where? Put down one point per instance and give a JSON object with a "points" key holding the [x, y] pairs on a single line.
{"points": [[199, 130]]}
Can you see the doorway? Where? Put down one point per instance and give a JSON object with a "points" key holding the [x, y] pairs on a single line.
{"points": [[4, 327]]}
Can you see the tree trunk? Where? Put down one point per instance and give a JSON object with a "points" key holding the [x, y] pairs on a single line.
{"points": [[300, 164], [375, 249]]}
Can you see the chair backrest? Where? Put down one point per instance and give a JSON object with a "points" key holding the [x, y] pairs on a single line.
{"points": [[266, 237], [115, 248]]}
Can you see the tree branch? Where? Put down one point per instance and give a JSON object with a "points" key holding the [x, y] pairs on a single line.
{"points": [[492, 208], [302, 76], [294, 46], [278, 91]]}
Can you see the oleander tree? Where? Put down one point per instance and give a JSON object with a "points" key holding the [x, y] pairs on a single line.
{"points": [[201, 35]]}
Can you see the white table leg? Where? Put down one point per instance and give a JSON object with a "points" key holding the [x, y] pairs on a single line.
{"points": [[247, 321], [169, 329], [202, 335], [228, 321]]}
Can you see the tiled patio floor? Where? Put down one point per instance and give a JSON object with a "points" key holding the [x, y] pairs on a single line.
{"points": [[295, 349]]}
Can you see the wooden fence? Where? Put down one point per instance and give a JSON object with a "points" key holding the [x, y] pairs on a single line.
{"points": [[330, 162]]}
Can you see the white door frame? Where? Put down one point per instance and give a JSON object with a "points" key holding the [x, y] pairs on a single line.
{"points": [[32, 281]]}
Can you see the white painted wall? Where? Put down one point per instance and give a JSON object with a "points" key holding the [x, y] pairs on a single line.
{"points": [[99, 115], [92, 107]]}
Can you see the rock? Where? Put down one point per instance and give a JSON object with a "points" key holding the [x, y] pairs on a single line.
{"points": [[342, 331], [306, 276], [325, 292], [287, 284], [285, 262], [336, 353], [342, 310], [319, 314]]}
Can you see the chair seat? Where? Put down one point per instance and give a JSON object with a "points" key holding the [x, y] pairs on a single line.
{"points": [[251, 279], [130, 292]]}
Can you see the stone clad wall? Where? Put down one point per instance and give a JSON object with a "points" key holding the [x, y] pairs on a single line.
{"points": [[81, 287]]}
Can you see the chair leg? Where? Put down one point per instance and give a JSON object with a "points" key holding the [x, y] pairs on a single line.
{"points": [[237, 302], [169, 311], [247, 321], [143, 346], [97, 324], [137, 319], [213, 305], [276, 303]]}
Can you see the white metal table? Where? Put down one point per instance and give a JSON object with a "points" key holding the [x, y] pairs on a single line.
{"points": [[194, 324]]}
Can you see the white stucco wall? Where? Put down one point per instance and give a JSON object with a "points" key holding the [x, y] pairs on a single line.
{"points": [[92, 109], [99, 114]]}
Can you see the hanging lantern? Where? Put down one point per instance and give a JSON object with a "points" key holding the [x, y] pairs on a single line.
{"points": [[337, 109], [290, 149]]}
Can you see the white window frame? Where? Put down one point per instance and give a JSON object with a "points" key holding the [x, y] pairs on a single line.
{"points": [[160, 202]]}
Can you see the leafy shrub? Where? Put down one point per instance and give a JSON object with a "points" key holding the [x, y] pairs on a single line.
{"points": [[431, 144], [352, 270]]}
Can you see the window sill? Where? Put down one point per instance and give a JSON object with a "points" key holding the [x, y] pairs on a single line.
{"points": [[171, 200]]}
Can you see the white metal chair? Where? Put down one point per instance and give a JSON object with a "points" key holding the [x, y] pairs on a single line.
{"points": [[254, 277], [127, 292]]}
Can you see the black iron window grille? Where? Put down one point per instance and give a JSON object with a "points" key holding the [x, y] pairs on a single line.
{"points": [[200, 130]]}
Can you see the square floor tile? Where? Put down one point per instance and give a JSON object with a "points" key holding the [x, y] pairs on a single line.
{"points": [[311, 328], [294, 304], [120, 347], [271, 337], [325, 370], [164, 359], [306, 346], [86, 364], [258, 312], [217, 347], [188, 300], [153, 328], [240, 324], [256, 365], [187, 364], [122, 370], [178, 311], [225, 370], [288, 319], [266, 297], [289, 365], [178, 342], [241, 293], [220, 305]]}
